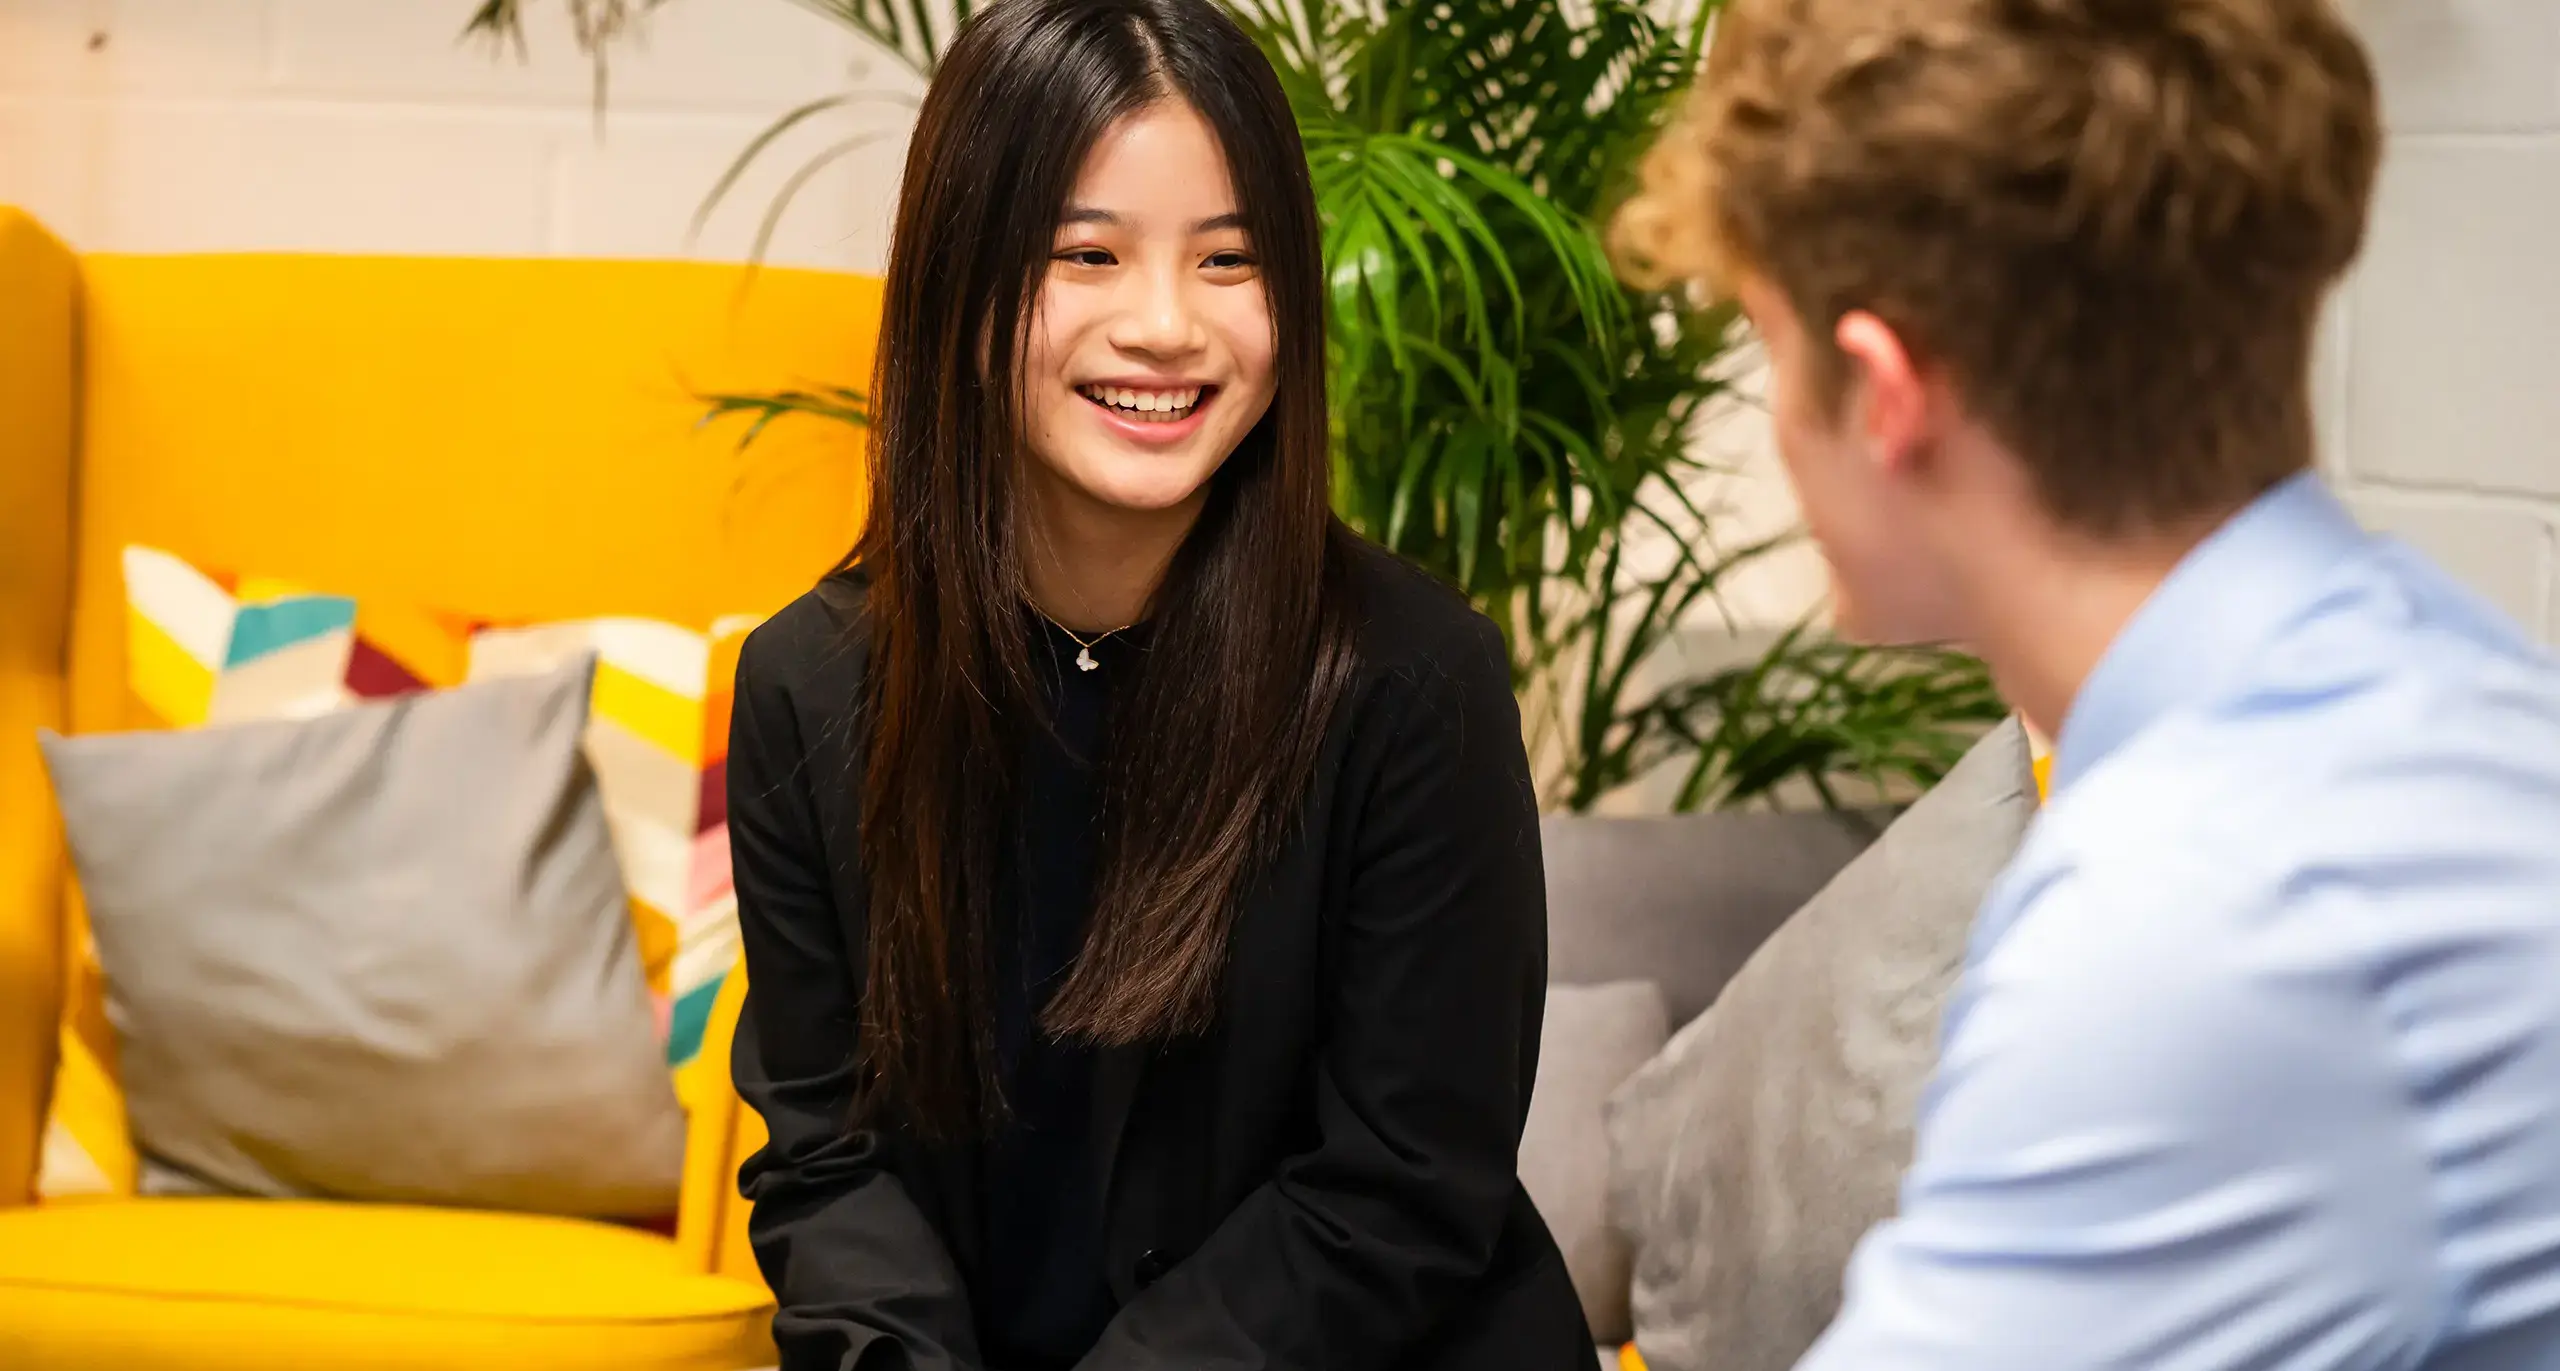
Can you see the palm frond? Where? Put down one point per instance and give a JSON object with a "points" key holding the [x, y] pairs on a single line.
{"points": [[597, 24], [837, 404], [499, 22], [755, 148]]}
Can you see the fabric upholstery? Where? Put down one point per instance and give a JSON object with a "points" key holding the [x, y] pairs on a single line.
{"points": [[378, 954], [515, 441], [1683, 901], [1593, 1038], [290, 1285], [659, 742], [712, 1229], [206, 647], [38, 311], [710, 1158], [1752, 1154], [510, 441], [209, 646]]}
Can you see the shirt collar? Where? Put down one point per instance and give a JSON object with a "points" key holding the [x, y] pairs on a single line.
{"points": [[2222, 599]]}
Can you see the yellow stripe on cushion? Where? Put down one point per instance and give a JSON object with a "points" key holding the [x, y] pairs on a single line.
{"points": [[644, 782], [671, 658], [658, 941], [1629, 1359], [654, 713], [191, 608], [168, 680], [87, 1150], [649, 799]]}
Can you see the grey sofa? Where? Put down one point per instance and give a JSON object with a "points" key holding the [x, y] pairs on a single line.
{"points": [[1683, 901], [1679, 902]]}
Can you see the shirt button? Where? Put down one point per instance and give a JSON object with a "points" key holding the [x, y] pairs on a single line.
{"points": [[1151, 1268]]}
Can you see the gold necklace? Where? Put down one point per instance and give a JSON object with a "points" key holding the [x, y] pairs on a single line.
{"points": [[1084, 648]]}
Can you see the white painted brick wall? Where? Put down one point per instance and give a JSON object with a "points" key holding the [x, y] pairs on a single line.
{"points": [[368, 126], [2440, 382]]}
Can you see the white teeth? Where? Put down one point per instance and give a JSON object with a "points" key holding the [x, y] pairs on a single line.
{"points": [[1145, 401]]}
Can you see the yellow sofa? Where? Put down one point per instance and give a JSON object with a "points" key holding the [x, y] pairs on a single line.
{"points": [[508, 439]]}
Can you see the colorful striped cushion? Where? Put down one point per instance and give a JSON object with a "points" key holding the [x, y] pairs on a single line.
{"points": [[204, 648]]}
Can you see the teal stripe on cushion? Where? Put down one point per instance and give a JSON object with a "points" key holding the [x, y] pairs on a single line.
{"points": [[263, 628], [688, 1019]]}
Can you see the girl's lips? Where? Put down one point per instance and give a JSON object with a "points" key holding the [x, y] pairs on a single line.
{"points": [[1152, 433]]}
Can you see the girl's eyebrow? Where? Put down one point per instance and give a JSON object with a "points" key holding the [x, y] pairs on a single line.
{"points": [[1088, 214]]}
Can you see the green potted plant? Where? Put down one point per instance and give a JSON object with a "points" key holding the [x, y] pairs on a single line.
{"points": [[1505, 412]]}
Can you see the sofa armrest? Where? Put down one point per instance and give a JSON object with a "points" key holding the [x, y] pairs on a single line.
{"points": [[720, 1131], [38, 338]]}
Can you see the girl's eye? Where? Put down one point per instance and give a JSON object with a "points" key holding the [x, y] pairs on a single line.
{"points": [[1086, 257], [1228, 261]]}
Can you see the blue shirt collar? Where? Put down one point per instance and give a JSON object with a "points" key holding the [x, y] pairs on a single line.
{"points": [[2223, 598]]}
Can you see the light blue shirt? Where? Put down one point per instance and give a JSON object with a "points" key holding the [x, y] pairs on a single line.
{"points": [[2255, 1058]]}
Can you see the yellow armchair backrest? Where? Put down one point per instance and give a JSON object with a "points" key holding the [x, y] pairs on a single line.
{"points": [[515, 440], [506, 439], [38, 284]]}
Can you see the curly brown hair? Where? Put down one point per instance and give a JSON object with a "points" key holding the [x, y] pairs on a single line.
{"points": [[2111, 223]]}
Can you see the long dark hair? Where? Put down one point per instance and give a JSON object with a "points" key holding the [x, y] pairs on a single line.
{"points": [[1216, 732]]}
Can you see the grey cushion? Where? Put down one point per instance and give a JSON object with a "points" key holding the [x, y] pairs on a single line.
{"points": [[1594, 1037], [1682, 901], [1752, 1154], [380, 954]]}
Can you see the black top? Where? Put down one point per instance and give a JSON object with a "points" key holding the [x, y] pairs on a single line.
{"points": [[1044, 1301], [1325, 1180]]}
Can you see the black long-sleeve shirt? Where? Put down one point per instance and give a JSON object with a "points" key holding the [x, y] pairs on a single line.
{"points": [[1044, 1300], [1327, 1179]]}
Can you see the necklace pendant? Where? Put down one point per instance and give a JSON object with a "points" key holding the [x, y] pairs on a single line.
{"points": [[1085, 661]]}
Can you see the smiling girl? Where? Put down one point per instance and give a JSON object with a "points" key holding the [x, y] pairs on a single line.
{"points": [[1139, 875]]}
